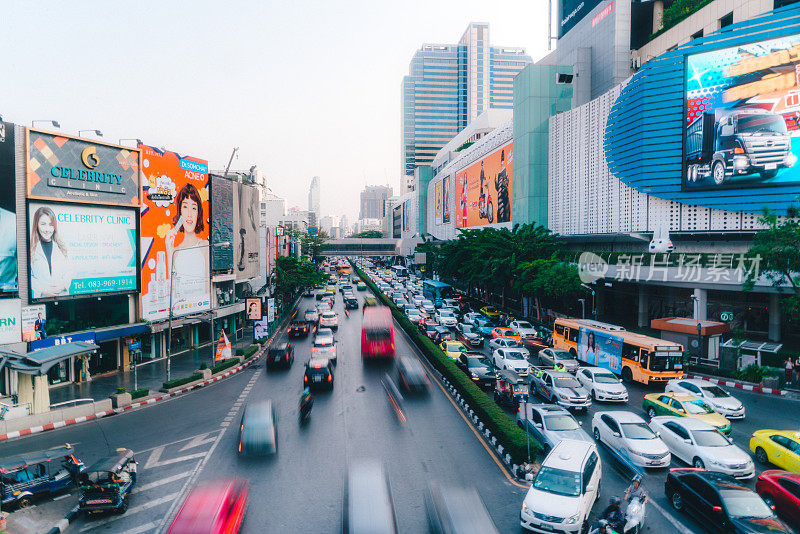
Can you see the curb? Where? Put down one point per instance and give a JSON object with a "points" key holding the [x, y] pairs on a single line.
{"points": [[63, 524], [740, 385]]}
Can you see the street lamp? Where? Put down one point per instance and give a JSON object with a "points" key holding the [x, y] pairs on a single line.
{"points": [[98, 133], [171, 278], [594, 309], [138, 141], [583, 308], [54, 123]]}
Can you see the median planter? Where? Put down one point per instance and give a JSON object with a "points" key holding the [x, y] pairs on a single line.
{"points": [[225, 364], [176, 384], [120, 399]]}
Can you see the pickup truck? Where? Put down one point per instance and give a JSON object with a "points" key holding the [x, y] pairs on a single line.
{"points": [[298, 329]]}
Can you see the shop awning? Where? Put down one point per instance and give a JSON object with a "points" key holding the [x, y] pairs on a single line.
{"points": [[104, 334], [40, 361]]}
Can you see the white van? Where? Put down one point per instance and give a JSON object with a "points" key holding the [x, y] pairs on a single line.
{"points": [[564, 490]]}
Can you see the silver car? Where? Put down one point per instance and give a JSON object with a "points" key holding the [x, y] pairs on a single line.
{"points": [[549, 357], [550, 424]]}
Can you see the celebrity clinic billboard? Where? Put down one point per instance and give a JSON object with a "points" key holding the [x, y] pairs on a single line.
{"points": [[245, 239], [743, 116], [600, 349], [222, 209], [438, 211], [484, 189], [8, 211], [174, 225], [446, 200], [80, 249]]}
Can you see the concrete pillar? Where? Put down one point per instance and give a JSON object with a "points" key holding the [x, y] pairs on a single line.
{"points": [[658, 15], [153, 348], [644, 302], [700, 304], [35, 391], [774, 317], [195, 336]]}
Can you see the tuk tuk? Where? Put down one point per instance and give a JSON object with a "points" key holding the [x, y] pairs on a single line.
{"points": [[28, 476], [106, 485], [510, 389]]}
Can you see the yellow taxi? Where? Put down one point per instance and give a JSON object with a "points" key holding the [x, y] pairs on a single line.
{"points": [[453, 349], [778, 447], [684, 406]]}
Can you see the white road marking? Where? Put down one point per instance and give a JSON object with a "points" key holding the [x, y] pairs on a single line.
{"points": [[62, 496], [131, 511], [160, 482], [141, 528], [198, 440], [671, 518], [167, 444], [154, 460]]}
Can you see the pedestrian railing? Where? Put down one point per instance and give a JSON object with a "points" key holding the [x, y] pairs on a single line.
{"points": [[70, 403]]}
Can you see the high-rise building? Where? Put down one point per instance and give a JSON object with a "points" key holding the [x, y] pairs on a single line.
{"points": [[449, 85], [313, 197], [273, 209], [344, 229], [373, 199]]}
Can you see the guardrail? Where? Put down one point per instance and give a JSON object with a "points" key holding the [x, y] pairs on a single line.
{"points": [[73, 402]]}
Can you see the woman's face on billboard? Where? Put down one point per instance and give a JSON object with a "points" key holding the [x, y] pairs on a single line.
{"points": [[189, 214], [45, 228]]}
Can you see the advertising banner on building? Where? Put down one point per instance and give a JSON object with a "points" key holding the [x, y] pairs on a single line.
{"points": [[221, 223], [484, 189], [438, 206], [270, 310], [62, 340], [174, 227], [245, 240], [10, 321], [8, 211], [600, 349], [446, 200], [261, 328], [571, 12], [743, 116], [34, 322], [62, 167], [80, 249], [253, 307], [405, 216]]}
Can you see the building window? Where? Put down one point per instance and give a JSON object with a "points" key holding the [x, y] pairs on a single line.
{"points": [[727, 20], [697, 35], [782, 3]]}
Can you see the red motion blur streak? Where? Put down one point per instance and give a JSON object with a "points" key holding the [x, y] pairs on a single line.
{"points": [[213, 508]]}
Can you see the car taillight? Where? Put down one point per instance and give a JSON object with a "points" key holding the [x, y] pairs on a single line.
{"points": [[330, 378], [305, 379]]}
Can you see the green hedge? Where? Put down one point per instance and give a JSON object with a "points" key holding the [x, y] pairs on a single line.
{"points": [[508, 434], [249, 351], [221, 366], [139, 393], [175, 382]]}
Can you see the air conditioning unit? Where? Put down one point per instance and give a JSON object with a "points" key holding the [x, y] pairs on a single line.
{"points": [[563, 78], [636, 62]]}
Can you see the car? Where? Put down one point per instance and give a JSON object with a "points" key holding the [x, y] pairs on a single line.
{"points": [[478, 368], [280, 355], [470, 317], [329, 319], [457, 509], [215, 507], [428, 328], [414, 316], [369, 300], [318, 373], [324, 345], [411, 375], [368, 506], [684, 406], [346, 288], [719, 399], [450, 303], [446, 317], [524, 329], [602, 384], [781, 489], [311, 316], [629, 435], [322, 307], [350, 302], [549, 424], [508, 343], [505, 332], [428, 306], [560, 387], [719, 501], [491, 312], [564, 490], [258, 430], [442, 334], [701, 445], [548, 357], [453, 349], [778, 447], [417, 300], [298, 329], [483, 325], [308, 292], [361, 286], [511, 358], [467, 334]]}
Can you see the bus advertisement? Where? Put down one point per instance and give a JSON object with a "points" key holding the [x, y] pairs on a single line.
{"points": [[377, 333], [600, 349]]}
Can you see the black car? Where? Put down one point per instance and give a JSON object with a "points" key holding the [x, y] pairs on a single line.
{"points": [[411, 375], [478, 367], [318, 374], [280, 355], [298, 329], [350, 302], [720, 502]]}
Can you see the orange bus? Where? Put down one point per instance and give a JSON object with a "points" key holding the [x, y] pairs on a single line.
{"points": [[634, 356], [377, 333], [344, 270]]}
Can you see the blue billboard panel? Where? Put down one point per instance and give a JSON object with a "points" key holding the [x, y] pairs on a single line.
{"points": [[600, 349]]}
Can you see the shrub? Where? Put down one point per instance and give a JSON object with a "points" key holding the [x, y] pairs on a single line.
{"points": [[120, 391], [225, 364], [203, 366], [752, 373], [139, 393], [175, 382], [239, 352], [249, 351]]}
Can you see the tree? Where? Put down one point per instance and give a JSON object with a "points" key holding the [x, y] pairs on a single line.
{"points": [[293, 275], [313, 243], [368, 234], [553, 282]]}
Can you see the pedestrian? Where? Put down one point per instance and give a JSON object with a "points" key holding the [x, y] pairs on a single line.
{"points": [[797, 372], [787, 369]]}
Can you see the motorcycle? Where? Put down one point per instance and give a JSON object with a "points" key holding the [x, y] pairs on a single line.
{"points": [[485, 208], [634, 516], [305, 411]]}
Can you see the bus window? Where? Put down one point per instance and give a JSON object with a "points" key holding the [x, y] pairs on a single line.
{"points": [[572, 334], [560, 329], [645, 358], [630, 352]]}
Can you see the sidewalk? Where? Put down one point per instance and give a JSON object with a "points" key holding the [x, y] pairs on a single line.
{"points": [[151, 374]]}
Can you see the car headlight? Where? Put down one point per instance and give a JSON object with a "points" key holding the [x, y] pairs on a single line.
{"points": [[524, 507], [562, 397], [573, 519]]}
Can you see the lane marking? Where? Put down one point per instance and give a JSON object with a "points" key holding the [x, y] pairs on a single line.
{"points": [[62, 496], [133, 510], [141, 528], [200, 439], [171, 443], [157, 483], [154, 460], [671, 518]]}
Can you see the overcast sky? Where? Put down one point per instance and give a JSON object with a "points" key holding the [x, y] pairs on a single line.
{"points": [[303, 88]]}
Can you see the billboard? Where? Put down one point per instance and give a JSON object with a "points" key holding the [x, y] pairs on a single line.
{"points": [[34, 322], [446, 200], [61, 167], [261, 328], [174, 225], [8, 211], [80, 249], [405, 216], [600, 349], [571, 12], [10, 322], [221, 223], [253, 308], [246, 248], [438, 211], [484, 189], [742, 119]]}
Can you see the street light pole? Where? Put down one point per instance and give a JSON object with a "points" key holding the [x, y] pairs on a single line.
{"points": [[583, 308]]}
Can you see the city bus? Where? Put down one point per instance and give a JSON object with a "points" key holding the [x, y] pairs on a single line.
{"points": [[435, 290], [400, 271], [344, 269], [377, 334], [633, 356]]}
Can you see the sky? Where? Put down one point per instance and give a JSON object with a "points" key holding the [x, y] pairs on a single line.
{"points": [[302, 88]]}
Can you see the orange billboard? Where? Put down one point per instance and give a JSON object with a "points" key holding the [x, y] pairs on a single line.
{"points": [[484, 190], [174, 228]]}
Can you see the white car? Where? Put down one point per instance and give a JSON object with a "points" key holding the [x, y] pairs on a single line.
{"points": [[470, 317], [513, 359], [446, 318], [508, 343], [564, 490], [524, 328], [629, 434], [701, 445], [715, 396], [602, 384], [329, 319], [324, 345], [428, 306], [416, 300]]}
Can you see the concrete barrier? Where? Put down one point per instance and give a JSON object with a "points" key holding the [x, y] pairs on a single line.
{"points": [[53, 416]]}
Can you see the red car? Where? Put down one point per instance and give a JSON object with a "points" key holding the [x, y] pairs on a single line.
{"points": [[212, 508], [504, 331], [781, 489], [428, 328]]}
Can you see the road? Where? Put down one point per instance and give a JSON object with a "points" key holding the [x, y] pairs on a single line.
{"points": [[193, 438]]}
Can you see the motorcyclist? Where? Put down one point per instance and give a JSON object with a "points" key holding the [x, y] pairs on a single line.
{"points": [[306, 402], [614, 515], [601, 527], [635, 490]]}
